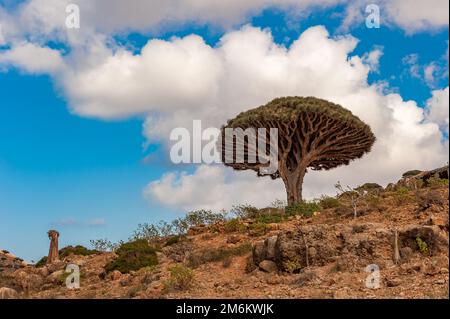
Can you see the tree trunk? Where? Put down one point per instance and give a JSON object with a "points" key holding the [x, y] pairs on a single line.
{"points": [[293, 181]]}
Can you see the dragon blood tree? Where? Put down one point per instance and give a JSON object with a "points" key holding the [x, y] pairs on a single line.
{"points": [[312, 133]]}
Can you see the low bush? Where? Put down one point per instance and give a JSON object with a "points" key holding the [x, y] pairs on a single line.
{"points": [[245, 211], [269, 219], [303, 208], [329, 202], [436, 182], [426, 199], [133, 256], [172, 240], [42, 262], [233, 225], [258, 229], [76, 250], [181, 278]]}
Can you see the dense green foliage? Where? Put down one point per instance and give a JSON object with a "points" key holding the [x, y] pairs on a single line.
{"points": [[288, 108], [302, 208], [133, 256]]}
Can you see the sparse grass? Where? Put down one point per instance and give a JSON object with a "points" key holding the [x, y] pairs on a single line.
{"points": [[258, 229], [42, 262], [402, 195], [422, 245], [329, 202], [181, 278], [67, 251], [233, 226], [373, 202], [172, 241], [292, 266], [214, 255], [133, 256], [270, 218], [226, 263], [436, 182], [245, 211], [426, 199]]}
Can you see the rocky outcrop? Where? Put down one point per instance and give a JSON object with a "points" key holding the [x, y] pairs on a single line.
{"points": [[417, 179], [8, 293], [346, 246], [10, 263]]}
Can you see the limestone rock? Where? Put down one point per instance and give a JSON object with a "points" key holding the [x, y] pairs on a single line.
{"points": [[268, 266], [8, 293]]}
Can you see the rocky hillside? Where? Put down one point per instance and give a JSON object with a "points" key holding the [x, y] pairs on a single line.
{"points": [[395, 247]]}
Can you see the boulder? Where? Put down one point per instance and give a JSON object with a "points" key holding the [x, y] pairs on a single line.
{"points": [[269, 247], [268, 266], [55, 277], [258, 252], [8, 293]]}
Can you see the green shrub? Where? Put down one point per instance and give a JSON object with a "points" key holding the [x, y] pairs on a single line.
{"points": [[202, 217], [257, 229], [213, 255], [302, 208], [422, 245], [426, 199], [402, 195], [76, 250], [436, 182], [270, 218], [234, 225], [329, 202], [42, 262], [373, 201], [133, 256], [181, 278], [245, 211], [172, 241]]}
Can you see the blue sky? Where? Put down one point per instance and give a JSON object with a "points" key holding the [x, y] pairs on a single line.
{"points": [[85, 176]]}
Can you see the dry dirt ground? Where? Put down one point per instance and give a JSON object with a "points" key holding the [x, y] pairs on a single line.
{"points": [[367, 239]]}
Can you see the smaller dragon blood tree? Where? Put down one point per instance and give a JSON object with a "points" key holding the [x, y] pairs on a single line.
{"points": [[312, 133]]}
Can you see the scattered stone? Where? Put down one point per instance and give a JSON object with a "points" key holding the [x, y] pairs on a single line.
{"points": [[268, 266], [304, 278]]}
